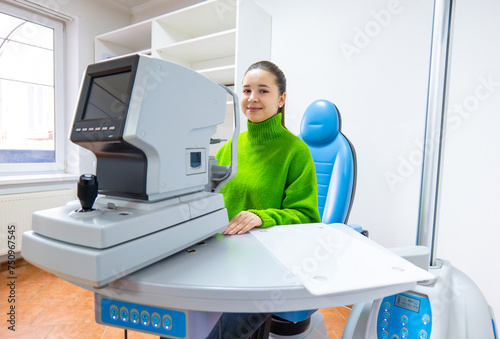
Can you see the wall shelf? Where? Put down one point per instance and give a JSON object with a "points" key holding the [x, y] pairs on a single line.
{"points": [[131, 39], [202, 19], [221, 75], [214, 46], [204, 37]]}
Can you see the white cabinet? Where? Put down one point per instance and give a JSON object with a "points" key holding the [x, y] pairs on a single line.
{"points": [[131, 39], [217, 38], [206, 37]]}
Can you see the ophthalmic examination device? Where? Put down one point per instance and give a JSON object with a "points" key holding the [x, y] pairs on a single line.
{"points": [[145, 235]]}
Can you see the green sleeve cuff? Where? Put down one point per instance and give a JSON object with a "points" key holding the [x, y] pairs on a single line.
{"points": [[266, 220]]}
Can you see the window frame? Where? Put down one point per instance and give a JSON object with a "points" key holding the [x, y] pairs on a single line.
{"points": [[60, 130]]}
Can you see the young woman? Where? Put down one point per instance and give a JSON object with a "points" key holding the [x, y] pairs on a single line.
{"points": [[275, 182]]}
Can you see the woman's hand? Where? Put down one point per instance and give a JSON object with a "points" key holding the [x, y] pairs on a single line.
{"points": [[242, 223]]}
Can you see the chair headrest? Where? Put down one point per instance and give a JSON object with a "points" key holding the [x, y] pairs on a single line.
{"points": [[320, 123]]}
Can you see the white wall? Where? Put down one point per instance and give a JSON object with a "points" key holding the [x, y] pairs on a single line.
{"points": [[371, 58], [470, 207], [377, 79]]}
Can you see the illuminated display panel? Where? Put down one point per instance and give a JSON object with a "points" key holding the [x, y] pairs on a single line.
{"points": [[407, 303]]}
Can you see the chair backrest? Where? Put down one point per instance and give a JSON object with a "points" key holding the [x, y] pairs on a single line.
{"points": [[334, 158]]}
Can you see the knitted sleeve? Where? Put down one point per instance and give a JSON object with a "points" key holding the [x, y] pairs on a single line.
{"points": [[300, 198]]}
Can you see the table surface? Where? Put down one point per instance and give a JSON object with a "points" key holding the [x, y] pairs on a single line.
{"points": [[277, 269]]}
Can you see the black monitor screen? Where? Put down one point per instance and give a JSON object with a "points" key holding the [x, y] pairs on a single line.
{"points": [[108, 97]]}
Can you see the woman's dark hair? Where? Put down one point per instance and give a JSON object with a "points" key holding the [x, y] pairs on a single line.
{"points": [[280, 80]]}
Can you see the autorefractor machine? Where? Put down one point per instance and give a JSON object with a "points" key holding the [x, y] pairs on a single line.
{"points": [[142, 236], [125, 117]]}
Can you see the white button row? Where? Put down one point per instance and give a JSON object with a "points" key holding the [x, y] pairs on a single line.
{"points": [[96, 129]]}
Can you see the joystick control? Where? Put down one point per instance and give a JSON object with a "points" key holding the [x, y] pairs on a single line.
{"points": [[87, 191]]}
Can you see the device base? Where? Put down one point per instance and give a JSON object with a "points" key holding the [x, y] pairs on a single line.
{"points": [[97, 267], [457, 309]]}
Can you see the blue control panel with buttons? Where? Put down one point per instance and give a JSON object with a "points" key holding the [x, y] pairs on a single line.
{"points": [[171, 323], [404, 315]]}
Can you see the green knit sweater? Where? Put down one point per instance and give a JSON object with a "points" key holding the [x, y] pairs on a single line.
{"points": [[276, 178]]}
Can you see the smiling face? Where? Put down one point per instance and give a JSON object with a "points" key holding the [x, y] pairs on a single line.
{"points": [[261, 97]]}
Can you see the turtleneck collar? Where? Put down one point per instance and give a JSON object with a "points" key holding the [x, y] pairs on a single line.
{"points": [[265, 131]]}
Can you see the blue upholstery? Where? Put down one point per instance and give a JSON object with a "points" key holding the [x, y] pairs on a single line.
{"points": [[334, 158], [335, 161]]}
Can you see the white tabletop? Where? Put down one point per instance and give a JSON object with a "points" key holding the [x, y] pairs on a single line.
{"points": [[278, 269]]}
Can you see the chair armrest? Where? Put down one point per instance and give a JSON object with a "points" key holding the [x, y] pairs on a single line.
{"points": [[357, 228]]}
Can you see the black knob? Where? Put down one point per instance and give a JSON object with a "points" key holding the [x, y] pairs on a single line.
{"points": [[87, 191]]}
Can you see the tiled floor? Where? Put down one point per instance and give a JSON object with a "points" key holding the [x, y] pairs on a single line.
{"points": [[49, 307]]}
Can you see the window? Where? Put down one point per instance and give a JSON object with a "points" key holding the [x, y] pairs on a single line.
{"points": [[31, 101]]}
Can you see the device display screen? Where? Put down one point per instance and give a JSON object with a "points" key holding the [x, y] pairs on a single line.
{"points": [[108, 97], [407, 303]]}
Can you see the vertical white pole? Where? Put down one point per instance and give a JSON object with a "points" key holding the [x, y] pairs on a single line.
{"points": [[435, 126]]}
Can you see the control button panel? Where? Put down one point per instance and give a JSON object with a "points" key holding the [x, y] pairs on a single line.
{"points": [[404, 315], [156, 320], [95, 129]]}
